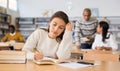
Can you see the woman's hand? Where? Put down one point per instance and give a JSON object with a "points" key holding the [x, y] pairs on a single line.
{"points": [[69, 26], [38, 55], [104, 48], [99, 48]]}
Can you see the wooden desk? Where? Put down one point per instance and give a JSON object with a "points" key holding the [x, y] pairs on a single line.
{"points": [[8, 46], [90, 51], [5, 47], [30, 66], [81, 52], [78, 54]]}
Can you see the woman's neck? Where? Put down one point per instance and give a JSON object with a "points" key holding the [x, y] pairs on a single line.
{"points": [[100, 33]]}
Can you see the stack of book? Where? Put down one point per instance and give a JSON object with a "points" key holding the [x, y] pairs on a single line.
{"points": [[4, 46], [12, 57]]}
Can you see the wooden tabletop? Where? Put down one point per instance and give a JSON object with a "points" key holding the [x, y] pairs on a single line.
{"points": [[94, 51], [9, 46], [30, 66]]}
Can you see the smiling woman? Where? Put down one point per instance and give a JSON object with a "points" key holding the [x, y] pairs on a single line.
{"points": [[53, 42]]}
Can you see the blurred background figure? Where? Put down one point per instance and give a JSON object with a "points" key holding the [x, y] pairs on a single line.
{"points": [[85, 30], [13, 35]]}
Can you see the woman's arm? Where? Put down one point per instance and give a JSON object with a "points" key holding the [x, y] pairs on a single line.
{"points": [[64, 50], [104, 48], [95, 43], [31, 43]]}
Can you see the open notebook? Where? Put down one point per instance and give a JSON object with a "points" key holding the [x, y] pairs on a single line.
{"points": [[50, 61]]}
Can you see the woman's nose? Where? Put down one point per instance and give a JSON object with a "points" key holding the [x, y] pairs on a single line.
{"points": [[56, 29]]}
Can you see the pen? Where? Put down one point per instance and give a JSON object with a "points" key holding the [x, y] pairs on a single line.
{"points": [[87, 63]]}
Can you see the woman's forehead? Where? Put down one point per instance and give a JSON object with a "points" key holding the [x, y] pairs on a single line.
{"points": [[59, 21]]}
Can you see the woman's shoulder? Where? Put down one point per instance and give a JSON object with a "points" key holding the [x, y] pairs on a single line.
{"points": [[41, 31], [97, 34], [110, 34]]}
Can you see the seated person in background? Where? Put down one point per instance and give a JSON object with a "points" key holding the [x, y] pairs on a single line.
{"points": [[56, 42], [85, 30], [103, 39], [13, 35]]}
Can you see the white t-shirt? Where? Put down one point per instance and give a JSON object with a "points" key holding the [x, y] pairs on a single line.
{"points": [[110, 42], [40, 40]]}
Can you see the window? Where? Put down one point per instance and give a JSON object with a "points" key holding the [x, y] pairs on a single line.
{"points": [[3, 3], [13, 4]]}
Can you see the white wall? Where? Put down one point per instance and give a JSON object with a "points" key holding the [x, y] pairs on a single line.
{"points": [[35, 8], [13, 14]]}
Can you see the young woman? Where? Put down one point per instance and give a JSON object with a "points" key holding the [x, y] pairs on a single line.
{"points": [[56, 42], [103, 39]]}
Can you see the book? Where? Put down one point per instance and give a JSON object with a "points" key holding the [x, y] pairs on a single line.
{"points": [[50, 61], [4, 44], [12, 56]]}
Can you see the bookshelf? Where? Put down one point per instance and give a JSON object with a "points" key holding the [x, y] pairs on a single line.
{"points": [[41, 22], [115, 27], [27, 25], [5, 20]]}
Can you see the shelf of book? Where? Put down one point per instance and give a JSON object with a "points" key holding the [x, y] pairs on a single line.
{"points": [[5, 20]]}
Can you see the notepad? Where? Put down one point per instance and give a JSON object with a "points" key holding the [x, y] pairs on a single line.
{"points": [[50, 61]]}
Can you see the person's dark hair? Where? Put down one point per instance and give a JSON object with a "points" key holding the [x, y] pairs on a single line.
{"points": [[87, 10], [12, 26], [64, 17], [105, 27]]}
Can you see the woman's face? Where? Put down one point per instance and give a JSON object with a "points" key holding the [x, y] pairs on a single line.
{"points": [[57, 26], [99, 29]]}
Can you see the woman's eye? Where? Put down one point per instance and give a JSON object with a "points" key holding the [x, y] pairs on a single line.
{"points": [[54, 24], [61, 27]]}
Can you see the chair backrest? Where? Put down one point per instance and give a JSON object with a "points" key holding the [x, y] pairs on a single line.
{"points": [[101, 57]]}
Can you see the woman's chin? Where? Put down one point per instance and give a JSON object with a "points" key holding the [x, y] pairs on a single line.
{"points": [[52, 36]]}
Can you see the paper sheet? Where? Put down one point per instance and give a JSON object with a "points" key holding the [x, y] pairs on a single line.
{"points": [[74, 65]]}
